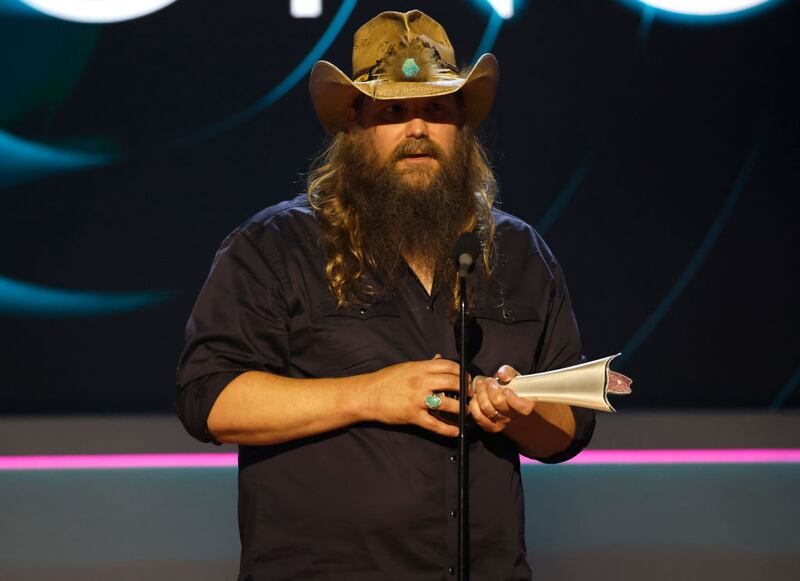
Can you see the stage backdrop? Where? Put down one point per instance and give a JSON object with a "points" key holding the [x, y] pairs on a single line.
{"points": [[657, 153]]}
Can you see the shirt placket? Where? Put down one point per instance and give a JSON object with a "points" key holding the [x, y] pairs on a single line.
{"points": [[441, 340], [450, 511]]}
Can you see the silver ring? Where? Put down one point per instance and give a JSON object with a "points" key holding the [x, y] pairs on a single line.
{"points": [[433, 401], [493, 417]]}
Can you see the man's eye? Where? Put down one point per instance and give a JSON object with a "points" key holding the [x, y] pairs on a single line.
{"points": [[394, 109], [438, 109]]}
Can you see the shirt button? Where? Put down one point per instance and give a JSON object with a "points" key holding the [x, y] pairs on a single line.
{"points": [[453, 513], [430, 308], [453, 458], [452, 570]]}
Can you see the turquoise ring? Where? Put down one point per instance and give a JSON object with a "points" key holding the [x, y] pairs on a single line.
{"points": [[433, 401]]}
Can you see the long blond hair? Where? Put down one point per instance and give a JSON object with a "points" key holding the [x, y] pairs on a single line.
{"points": [[348, 261]]}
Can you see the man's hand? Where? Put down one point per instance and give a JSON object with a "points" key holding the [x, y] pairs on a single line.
{"points": [[397, 393], [495, 407]]}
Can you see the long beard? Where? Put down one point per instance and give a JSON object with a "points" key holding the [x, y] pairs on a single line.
{"points": [[416, 212]]}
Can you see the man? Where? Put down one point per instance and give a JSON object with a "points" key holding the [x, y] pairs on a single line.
{"points": [[325, 329]]}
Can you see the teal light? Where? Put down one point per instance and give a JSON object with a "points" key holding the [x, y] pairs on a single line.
{"points": [[22, 160], [702, 251], [702, 11], [96, 12], [20, 298], [503, 8]]}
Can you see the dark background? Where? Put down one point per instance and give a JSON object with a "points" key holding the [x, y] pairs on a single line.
{"points": [[658, 156]]}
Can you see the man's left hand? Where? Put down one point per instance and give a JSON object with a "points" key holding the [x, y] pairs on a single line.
{"points": [[493, 406]]}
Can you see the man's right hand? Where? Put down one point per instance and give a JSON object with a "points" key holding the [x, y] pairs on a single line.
{"points": [[397, 393]]}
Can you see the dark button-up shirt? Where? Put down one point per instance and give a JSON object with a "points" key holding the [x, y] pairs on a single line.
{"points": [[371, 501]]}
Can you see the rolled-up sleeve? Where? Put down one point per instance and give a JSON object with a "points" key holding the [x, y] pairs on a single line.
{"points": [[561, 347], [238, 324]]}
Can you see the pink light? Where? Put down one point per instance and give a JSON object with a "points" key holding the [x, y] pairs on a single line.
{"points": [[117, 461], [725, 456], [227, 460]]}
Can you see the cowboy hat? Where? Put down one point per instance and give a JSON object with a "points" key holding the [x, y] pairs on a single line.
{"points": [[400, 55]]}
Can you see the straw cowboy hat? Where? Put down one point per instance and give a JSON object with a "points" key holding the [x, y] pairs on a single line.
{"points": [[401, 56]]}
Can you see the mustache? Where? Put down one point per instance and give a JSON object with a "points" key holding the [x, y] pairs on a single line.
{"points": [[416, 146]]}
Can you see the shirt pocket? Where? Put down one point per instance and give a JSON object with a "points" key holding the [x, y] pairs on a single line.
{"points": [[508, 336], [358, 339]]}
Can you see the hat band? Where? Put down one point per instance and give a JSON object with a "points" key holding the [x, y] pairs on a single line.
{"points": [[375, 71]]}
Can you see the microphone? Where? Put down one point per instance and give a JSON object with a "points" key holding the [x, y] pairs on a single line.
{"points": [[465, 253]]}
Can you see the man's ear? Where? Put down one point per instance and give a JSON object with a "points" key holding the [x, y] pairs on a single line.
{"points": [[351, 119]]}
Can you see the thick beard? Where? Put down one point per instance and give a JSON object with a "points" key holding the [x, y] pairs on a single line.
{"points": [[417, 212]]}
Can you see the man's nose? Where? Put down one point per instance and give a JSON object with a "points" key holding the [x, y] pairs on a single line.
{"points": [[417, 128]]}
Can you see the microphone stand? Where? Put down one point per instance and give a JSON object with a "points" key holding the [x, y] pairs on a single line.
{"points": [[466, 248], [463, 449]]}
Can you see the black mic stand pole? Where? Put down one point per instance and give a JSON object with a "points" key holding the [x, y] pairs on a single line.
{"points": [[463, 448], [466, 248]]}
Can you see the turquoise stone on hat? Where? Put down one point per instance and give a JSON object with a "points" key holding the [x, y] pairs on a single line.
{"points": [[410, 68]]}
